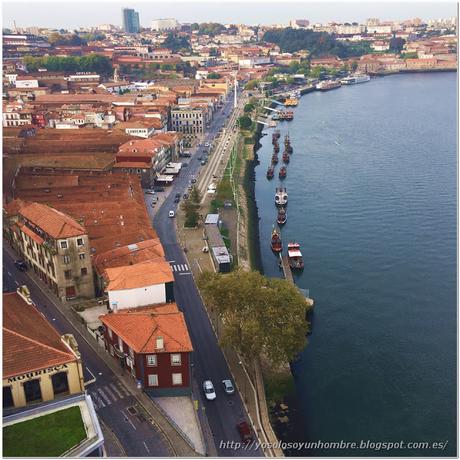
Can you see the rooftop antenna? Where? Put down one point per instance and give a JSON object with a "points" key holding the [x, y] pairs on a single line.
{"points": [[15, 27]]}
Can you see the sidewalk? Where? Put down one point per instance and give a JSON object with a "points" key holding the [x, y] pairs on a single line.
{"points": [[178, 444]]}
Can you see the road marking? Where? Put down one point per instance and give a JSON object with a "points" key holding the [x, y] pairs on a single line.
{"points": [[17, 284], [187, 273], [111, 394], [128, 420], [123, 389], [91, 380], [97, 399], [116, 390], [104, 396], [146, 448], [9, 273]]}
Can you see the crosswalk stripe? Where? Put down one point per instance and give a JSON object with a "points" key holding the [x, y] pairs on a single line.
{"points": [[116, 390], [123, 389], [111, 394], [104, 396], [173, 267], [98, 400]]}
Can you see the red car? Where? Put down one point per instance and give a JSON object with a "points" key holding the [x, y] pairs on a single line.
{"points": [[245, 432]]}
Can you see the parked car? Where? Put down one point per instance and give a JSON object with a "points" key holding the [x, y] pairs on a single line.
{"points": [[199, 158], [177, 199], [172, 213], [193, 180], [20, 265], [203, 162], [158, 189], [208, 389], [185, 196], [245, 432], [150, 192], [207, 144], [228, 386]]}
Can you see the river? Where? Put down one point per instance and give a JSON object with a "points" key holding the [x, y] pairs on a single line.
{"points": [[372, 200]]}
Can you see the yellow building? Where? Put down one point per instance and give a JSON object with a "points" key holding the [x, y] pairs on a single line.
{"points": [[38, 363]]}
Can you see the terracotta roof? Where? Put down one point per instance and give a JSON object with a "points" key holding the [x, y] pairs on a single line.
{"points": [[138, 275], [129, 255], [132, 164], [50, 220], [30, 343], [32, 234], [140, 329]]}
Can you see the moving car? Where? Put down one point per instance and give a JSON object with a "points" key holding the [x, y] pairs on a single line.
{"points": [[208, 389], [228, 386], [158, 189], [20, 265], [185, 196], [193, 180], [150, 192], [199, 158], [172, 213], [245, 432]]}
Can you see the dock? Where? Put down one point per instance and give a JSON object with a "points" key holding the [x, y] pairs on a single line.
{"points": [[284, 263]]}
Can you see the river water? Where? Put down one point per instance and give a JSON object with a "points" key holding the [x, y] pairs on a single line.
{"points": [[372, 200]]}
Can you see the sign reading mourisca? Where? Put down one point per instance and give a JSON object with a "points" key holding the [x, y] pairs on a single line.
{"points": [[31, 375]]}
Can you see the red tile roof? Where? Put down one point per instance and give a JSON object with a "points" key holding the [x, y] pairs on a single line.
{"points": [[50, 220], [140, 329], [138, 275], [30, 343]]}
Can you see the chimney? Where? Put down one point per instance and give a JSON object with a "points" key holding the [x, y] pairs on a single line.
{"points": [[159, 343]]}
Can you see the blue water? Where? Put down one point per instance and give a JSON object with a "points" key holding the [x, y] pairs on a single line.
{"points": [[372, 200]]}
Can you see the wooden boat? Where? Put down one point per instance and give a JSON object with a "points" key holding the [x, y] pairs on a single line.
{"points": [[295, 256], [276, 148], [270, 172], [281, 196], [283, 172], [274, 158], [286, 157], [276, 243], [282, 216]]}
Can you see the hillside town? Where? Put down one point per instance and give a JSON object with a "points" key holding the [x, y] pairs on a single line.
{"points": [[100, 129]]}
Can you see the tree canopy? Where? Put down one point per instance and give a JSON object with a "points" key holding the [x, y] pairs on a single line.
{"points": [[317, 43], [210, 28], [244, 122], [90, 63], [260, 315], [176, 43]]}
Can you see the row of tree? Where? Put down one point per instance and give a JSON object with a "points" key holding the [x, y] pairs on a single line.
{"points": [[191, 207], [90, 63]]}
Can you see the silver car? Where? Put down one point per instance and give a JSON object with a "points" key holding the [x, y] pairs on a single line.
{"points": [[209, 391], [228, 386]]}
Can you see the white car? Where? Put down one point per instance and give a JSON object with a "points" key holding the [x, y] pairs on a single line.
{"points": [[208, 389], [207, 144], [150, 192], [172, 213]]}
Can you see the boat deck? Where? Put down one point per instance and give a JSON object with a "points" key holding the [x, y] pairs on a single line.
{"points": [[284, 262]]}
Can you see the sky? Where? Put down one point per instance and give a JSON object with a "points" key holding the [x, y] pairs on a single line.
{"points": [[86, 13]]}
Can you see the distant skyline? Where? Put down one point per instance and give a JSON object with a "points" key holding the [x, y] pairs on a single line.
{"points": [[72, 15]]}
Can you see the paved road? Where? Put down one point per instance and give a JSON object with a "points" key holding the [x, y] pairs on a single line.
{"points": [[111, 398], [225, 412]]}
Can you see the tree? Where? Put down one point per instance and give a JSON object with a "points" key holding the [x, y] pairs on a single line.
{"points": [[397, 44], [251, 84], [175, 43], [195, 195], [354, 66], [191, 213], [244, 122], [248, 108], [260, 315], [214, 75]]}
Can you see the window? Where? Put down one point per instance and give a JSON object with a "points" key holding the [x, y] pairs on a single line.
{"points": [[80, 242], [153, 380], [7, 398], [120, 344], [70, 292], [177, 379], [81, 256], [68, 274], [64, 244], [66, 259], [84, 271], [60, 383], [110, 333], [32, 390], [176, 359], [151, 360]]}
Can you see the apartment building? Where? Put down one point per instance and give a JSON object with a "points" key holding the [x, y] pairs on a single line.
{"points": [[55, 247], [189, 120]]}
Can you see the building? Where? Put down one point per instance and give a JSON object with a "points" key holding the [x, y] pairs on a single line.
{"points": [[189, 120], [154, 345], [146, 283], [38, 363], [55, 246], [299, 23], [165, 25], [131, 24]]}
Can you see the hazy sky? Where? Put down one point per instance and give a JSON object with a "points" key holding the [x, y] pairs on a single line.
{"points": [[71, 14]]}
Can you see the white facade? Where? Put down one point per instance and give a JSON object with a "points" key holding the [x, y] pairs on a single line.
{"points": [[140, 297], [165, 24], [144, 132], [32, 83]]}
